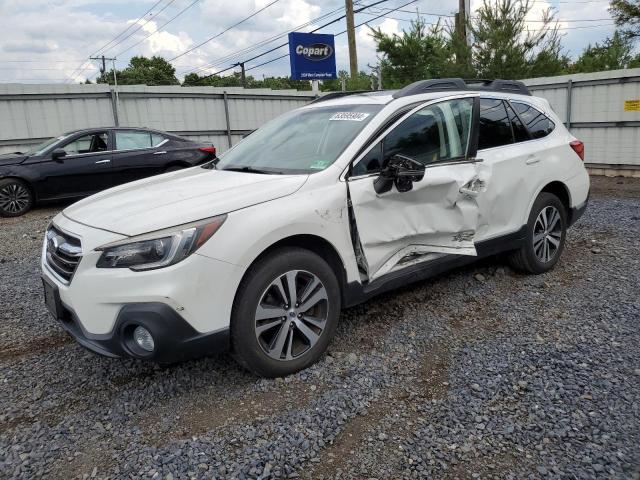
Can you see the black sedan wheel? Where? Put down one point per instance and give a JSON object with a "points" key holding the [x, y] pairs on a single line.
{"points": [[15, 198]]}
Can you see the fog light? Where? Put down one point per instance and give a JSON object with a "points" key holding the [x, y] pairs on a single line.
{"points": [[143, 338]]}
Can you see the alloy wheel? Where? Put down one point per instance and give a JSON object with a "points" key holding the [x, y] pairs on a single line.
{"points": [[547, 234], [291, 315], [14, 198]]}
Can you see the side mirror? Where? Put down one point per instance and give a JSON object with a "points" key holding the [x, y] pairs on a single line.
{"points": [[402, 171], [58, 154]]}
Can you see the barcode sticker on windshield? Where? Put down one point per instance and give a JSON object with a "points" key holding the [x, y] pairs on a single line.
{"points": [[353, 116]]}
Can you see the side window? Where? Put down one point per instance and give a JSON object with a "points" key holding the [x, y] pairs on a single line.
{"points": [[370, 163], [95, 142], [156, 139], [131, 139], [495, 129], [538, 124], [520, 133], [435, 133]]}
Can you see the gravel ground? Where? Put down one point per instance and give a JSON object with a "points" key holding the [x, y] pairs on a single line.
{"points": [[480, 373]]}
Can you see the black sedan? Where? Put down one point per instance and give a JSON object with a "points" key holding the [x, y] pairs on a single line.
{"points": [[83, 162]]}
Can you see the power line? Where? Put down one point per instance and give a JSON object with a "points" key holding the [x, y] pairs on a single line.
{"points": [[337, 34], [257, 46], [160, 28], [225, 30], [314, 30], [129, 27], [122, 39]]}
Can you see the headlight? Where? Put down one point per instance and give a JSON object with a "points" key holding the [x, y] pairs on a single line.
{"points": [[159, 249]]}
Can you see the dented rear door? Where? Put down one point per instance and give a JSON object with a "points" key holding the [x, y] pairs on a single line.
{"points": [[440, 214]]}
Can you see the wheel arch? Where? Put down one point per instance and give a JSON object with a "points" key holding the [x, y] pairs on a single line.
{"points": [[176, 163], [314, 243], [28, 184], [557, 188]]}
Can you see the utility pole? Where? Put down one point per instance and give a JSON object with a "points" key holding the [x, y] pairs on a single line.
{"points": [[243, 77], [462, 17], [351, 36], [103, 69]]}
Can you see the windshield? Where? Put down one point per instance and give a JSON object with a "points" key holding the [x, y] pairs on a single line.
{"points": [[39, 149], [302, 141]]}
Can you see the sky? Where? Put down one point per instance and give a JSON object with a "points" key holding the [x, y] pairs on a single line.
{"points": [[50, 41]]}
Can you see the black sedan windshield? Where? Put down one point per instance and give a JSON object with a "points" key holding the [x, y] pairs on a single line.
{"points": [[302, 141]]}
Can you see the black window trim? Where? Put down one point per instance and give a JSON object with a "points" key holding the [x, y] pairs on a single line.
{"points": [[405, 112], [531, 137]]}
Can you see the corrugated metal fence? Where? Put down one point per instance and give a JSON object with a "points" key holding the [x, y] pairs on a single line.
{"points": [[603, 110], [592, 105], [29, 114]]}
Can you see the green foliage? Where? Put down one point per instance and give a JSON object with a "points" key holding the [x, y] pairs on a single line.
{"points": [[418, 53], [504, 47], [235, 80], [361, 82], [143, 71], [626, 13], [614, 53]]}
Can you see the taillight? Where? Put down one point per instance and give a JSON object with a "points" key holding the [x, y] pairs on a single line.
{"points": [[578, 147], [210, 149]]}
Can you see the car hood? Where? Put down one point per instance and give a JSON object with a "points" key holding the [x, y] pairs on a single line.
{"points": [[12, 158], [177, 198]]}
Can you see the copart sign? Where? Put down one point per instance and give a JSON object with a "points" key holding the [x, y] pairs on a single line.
{"points": [[312, 56]]}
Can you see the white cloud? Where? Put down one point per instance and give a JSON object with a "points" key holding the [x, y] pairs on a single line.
{"points": [[44, 34]]}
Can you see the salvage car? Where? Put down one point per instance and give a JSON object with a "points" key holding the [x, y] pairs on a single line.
{"points": [[320, 209], [80, 163]]}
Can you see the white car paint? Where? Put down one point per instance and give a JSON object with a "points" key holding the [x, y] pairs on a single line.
{"points": [[488, 198]]}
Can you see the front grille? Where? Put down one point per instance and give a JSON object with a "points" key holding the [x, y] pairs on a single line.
{"points": [[63, 253]]}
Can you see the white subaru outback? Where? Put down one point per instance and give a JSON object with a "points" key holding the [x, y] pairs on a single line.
{"points": [[320, 209]]}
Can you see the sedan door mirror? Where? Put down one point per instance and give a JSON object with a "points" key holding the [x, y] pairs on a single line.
{"points": [[402, 171], [58, 154]]}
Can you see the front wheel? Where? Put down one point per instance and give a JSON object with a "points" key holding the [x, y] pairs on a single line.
{"points": [[285, 313], [546, 232], [15, 198]]}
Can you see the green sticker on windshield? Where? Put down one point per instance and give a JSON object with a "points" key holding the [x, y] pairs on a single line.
{"points": [[319, 165]]}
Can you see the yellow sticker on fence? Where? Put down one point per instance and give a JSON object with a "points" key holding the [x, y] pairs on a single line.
{"points": [[632, 105]]}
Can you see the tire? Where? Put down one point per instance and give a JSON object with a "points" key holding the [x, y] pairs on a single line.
{"points": [[174, 168], [16, 198], [541, 255], [262, 338]]}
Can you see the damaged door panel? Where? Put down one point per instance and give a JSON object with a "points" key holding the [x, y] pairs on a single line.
{"points": [[435, 217]]}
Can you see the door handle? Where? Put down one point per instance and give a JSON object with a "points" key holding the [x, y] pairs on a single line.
{"points": [[160, 153], [533, 159], [103, 161]]}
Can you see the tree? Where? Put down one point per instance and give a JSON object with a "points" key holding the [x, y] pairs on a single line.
{"points": [[417, 54], [143, 71], [362, 81], [626, 13], [614, 53], [504, 46], [235, 80]]}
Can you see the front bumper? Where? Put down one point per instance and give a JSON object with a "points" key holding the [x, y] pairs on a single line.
{"points": [[174, 338]]}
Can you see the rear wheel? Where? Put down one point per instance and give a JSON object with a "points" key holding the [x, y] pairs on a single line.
{"points": [[546, 232], [285, 313], [15, 198]]}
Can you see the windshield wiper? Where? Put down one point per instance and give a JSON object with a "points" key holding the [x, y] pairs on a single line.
{"points": [[248, 169]]}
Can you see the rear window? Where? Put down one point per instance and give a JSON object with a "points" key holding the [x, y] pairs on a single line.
{"points": [[538, 124], [132, 139]]}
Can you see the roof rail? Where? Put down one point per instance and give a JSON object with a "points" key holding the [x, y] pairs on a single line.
{"points": [[332, 95], [451, 84]]}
